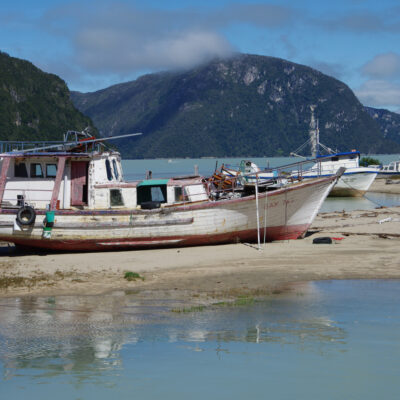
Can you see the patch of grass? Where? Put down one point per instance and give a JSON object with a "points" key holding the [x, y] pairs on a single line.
{"points": [[7, 281], [189, 309], [244, 301], [240, 301], [21, 281], [132, 276]]}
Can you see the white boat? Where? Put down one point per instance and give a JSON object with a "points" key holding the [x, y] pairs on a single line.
{"points": [[392, 170], [354, 182], [78, 200]]}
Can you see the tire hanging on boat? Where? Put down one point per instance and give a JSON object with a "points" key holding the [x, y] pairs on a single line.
{"points": [[26, 216]]}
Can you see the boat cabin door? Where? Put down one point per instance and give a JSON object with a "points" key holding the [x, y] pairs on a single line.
{"points": [[79, 179]]}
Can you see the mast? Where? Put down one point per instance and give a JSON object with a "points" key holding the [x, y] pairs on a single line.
{"points": [[314, 133]]}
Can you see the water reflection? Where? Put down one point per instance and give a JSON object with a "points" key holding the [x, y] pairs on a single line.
{"points": [[86, 336], [294, 345]]}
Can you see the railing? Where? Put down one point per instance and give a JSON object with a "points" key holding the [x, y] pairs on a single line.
{"points": [[7, 147], [52, 146], [281, 174]]}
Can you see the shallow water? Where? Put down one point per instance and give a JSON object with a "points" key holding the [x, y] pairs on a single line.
{"points": [[369, 201], [324, 340], [136, 170]]}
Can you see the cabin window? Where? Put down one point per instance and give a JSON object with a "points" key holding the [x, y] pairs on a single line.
{"points": [[116, 174], [51, 170], [335, 159], [20, 170], [108, 169], [157, 194], [178, 193], [36, 170], [147, 193], [116, 198]]}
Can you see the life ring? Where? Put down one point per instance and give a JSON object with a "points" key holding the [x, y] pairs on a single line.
{"points": [[26, 216]]}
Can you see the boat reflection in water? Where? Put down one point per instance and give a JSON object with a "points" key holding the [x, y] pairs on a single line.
{"points": [[134, 346], [91, 335]]}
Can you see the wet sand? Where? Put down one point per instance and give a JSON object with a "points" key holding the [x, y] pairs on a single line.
{"points": [[367, 246], [391, 186]]}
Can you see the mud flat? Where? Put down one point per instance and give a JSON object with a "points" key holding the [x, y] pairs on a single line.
{"points": [[391, 186], [366, 245]]}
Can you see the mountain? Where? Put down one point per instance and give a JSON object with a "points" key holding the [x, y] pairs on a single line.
{"points": [[244, 106], [388, 121], [34, 105]]}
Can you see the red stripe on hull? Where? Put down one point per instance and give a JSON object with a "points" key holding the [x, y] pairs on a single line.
{"points": [[272, 233]]}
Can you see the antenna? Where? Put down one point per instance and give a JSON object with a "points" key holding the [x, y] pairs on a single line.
{"points": [[314, 133]]}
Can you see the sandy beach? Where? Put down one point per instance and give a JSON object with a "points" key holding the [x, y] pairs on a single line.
{"points": [[366, 245]]}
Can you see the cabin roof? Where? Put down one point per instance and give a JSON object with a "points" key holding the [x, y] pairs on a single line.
{"points": [[348, 153], [153, 182]]}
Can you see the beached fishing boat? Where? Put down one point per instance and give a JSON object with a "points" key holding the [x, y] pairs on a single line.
{"points": [[75, 198]]}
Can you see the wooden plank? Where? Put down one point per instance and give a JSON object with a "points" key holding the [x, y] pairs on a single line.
{"points": [[3, 176], [57, 183], [116, 224]]}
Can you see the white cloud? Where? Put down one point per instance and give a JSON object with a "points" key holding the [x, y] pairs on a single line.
{"points": [[123, 39], [379, 93], [385, 65], [102, 50], [332, 69], [362, 21]]}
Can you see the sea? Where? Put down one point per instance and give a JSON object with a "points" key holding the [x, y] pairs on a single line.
{"points": [[316, 340]]}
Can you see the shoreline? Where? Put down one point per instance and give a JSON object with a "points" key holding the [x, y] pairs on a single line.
{"points": [[383, 185], [367, 246]]}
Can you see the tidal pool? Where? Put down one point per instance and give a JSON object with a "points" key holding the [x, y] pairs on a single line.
{"points": [[322, 340]]}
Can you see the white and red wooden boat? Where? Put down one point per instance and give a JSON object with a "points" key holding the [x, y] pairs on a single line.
{"points": [[73, 200]]}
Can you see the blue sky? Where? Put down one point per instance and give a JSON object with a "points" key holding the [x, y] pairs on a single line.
{"points": [[94, 44]]}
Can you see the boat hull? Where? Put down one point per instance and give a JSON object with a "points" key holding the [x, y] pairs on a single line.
{"points": [[353, 184], [350, 184], [282, 214]]}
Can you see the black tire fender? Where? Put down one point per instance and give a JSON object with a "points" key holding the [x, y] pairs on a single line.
{"points": [[26, 215]]}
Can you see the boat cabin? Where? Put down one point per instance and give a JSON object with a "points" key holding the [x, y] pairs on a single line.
{"points": [[87, 181], [334, 161]]}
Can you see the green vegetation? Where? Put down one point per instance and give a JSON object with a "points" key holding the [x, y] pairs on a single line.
{"points": [[189, 309], [34, 105], [240, 301], [241, 107], [22, 281], [365, 161], [132, 276]]}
